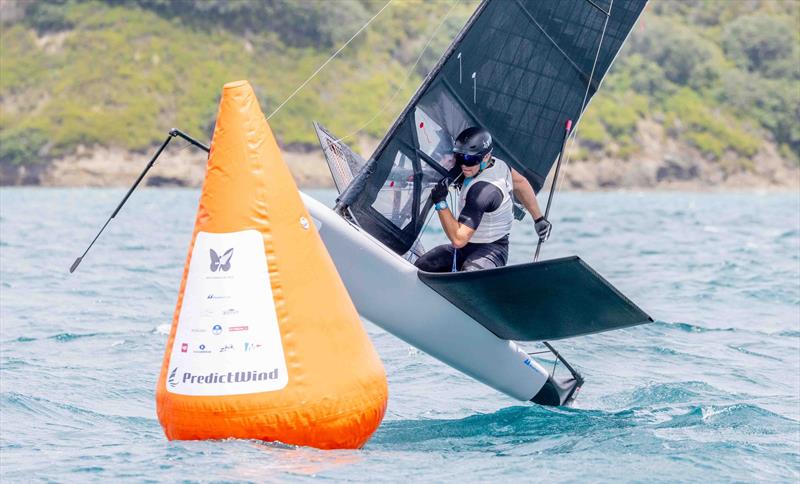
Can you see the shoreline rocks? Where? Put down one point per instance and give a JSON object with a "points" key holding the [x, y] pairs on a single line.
{"points": [[185, 167]]}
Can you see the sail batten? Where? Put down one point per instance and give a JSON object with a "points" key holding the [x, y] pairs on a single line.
{"points": [[598, 7], [580, 71]]}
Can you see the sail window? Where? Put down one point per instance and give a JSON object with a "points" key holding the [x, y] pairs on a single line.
{"points": [[434, 141], [343, 162], [396, 197], [430, 177], [438, 120]]}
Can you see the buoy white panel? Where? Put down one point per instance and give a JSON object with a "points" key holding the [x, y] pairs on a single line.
{"points": [[227, 341]]}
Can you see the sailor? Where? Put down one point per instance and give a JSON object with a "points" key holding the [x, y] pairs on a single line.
{"points": [[479, 237]]}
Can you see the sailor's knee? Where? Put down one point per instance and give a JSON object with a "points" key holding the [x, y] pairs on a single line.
{"points": [[479, 264], [423, 263], [438, 259], [426, 263]]}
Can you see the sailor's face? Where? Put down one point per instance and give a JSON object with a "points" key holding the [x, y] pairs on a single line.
{"points": [[470, 171]]}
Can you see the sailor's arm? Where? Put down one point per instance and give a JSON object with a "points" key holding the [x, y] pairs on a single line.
{"points": [[525, 194], [458, 233]]}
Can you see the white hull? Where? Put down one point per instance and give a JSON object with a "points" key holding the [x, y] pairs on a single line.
{"points": [[386, 290]]}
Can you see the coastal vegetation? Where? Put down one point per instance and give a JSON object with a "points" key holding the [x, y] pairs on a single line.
{"points": [[720, 77]]}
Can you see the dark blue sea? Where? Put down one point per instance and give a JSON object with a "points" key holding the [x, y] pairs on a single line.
{"points": [[710, 392]]}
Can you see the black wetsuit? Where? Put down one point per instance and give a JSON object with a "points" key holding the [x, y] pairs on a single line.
{"points": [[483, 197]]}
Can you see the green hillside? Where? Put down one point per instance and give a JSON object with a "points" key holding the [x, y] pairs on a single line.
{"points": [[720, 76]]}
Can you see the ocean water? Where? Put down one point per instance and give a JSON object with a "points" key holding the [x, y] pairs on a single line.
{"points": [[709, 392]]}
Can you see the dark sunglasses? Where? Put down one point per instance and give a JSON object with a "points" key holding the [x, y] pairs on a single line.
{"points": [[468, 160]]}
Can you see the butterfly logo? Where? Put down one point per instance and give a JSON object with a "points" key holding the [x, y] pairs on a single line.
{"points": [[221, 262]]}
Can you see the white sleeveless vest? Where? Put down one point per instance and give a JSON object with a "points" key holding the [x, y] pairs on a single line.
{"points": [[496, 224]]}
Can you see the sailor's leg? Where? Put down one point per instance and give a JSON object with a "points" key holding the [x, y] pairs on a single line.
{"points": [[485, 256], [477, 264], [438, 259]]}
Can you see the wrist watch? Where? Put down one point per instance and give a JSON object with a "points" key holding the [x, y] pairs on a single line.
{"points": [[441, 205]]}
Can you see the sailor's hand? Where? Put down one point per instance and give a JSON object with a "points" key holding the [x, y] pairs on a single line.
{"points": [[543, 228], [440, 191]]}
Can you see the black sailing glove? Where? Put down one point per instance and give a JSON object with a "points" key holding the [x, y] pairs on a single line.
{"points": [[543, 228], [439, 192]]}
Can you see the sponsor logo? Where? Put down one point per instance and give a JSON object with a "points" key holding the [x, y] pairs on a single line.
{"points": [[530, 363], [202, 349], [217, 329], [217, 296], [251, 347], [226, 348], [238, 328], [184, 347], [173, 380], [221, 262], [230, 377]]}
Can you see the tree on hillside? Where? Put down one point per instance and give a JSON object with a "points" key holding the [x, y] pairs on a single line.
{"points": [[766, 44]]}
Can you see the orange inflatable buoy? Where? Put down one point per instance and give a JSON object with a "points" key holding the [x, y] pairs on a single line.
{"points": [[265, 341]]}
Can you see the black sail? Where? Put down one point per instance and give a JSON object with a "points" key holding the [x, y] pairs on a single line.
{"points": [[521, 69]]}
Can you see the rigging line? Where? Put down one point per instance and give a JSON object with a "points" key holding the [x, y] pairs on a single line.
{"points": [[453, 200], [312, 76], [405, 81], [586, 93], [564, 148], [418, 240], [566, 56], [428, 221], [598, 7]]}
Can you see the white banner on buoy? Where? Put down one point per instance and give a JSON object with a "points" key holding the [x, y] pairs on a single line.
{"points": [[227, 341]]}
